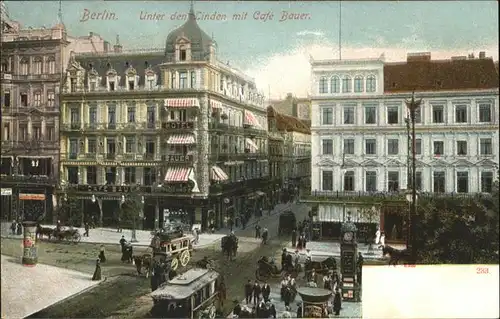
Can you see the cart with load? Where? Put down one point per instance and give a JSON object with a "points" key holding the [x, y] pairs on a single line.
{"points": [[321, 264], [176, 245]]}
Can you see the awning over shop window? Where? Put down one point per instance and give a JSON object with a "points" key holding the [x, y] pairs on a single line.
{"points": [[250, 119], [251, 145], [181, 139], [182, 103], [218, 174], [215, 105], [339, 213], [178, 174], [333, 213]]}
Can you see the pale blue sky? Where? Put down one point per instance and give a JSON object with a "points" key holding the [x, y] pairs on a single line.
{"points": [[415, 25]]}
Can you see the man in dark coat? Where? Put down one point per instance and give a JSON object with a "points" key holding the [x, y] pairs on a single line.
{"points": [[257, 231], [284, 253], [87, 228], [248, 291], [359, 268], [294, 237], [272, 311], [237, 308], [97, 271], [256, 290], [337, 302], [266, 291]]}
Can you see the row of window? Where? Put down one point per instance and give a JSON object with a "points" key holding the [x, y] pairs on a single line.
{"points": [[37, 65], [393, 147], [112, 144], [149, 176], [23, 132], [393, 112], [393, 183], [344, 84], [75, 115], [25, 100]]}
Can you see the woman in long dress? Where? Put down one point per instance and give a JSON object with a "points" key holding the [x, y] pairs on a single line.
{"points": [[97, 271]]}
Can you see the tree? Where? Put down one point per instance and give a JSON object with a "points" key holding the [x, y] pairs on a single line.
{"points": [[130, 210], [70, 212], [458, 231]]}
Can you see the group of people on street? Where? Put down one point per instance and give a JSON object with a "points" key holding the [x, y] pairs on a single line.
{"points": [[16, 228], [263, 309], [127, 250], [254, 292], [300, 234], [261, 233]]}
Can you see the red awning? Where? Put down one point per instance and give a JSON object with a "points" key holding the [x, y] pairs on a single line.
{"points": [[177, 174], [218, 174], [181, 139], [182, 103], [215, 105], [250, 119]]}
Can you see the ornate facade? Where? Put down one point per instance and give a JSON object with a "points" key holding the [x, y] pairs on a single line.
{"points": [[176, 126]]}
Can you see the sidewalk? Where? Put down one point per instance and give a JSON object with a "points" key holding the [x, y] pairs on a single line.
{"points": [[326, 249], [110, 236], [27, 290]]}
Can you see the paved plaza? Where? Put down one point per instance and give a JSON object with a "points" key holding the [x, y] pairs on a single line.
{"points": [[349, 309], [27, 290]]}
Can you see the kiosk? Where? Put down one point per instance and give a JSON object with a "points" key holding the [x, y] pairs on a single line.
{"points": [[315, 302]]}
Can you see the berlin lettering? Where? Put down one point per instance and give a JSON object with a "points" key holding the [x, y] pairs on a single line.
{"points": [[105, 15]]}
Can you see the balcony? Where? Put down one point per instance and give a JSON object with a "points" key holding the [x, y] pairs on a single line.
{"points": [[37, 77], [373, 197], [71, 127], [221, 128], [89, 156], [149, 156], [129, 157], [110, 126], [72, 156], [178, 126], [252, 132], [111, 156], [177, 158], [89, 127], [34, 179]]}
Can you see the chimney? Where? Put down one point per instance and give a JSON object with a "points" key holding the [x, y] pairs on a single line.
{"points": [[482, 55], [418, 56], [91, 34], [117, 48]]}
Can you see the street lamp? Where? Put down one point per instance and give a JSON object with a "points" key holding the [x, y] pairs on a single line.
{"points": [[413, 106]]}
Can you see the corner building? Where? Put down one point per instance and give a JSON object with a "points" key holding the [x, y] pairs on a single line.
{"points": [[176, 126], [361, 146]]}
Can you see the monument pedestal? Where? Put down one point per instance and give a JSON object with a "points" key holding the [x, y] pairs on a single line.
{"points": [[30, 252]]}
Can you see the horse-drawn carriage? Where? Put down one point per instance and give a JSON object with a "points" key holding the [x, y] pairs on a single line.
{"points": [[321, 264], [62, 234], [229, 245], [267, 268], [193, 294], [176, 245]]}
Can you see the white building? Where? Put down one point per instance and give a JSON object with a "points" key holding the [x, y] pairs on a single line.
{"points": [[360, 138]]}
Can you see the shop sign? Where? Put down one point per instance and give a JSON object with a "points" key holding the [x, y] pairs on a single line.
{"points": [[180, 125], [179, 158], [178, 188], [6, 191], [23, 196]]}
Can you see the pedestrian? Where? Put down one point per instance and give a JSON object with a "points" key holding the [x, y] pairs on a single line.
{"points": [[13, 227], [284, 253], [58, 226], [265, 234], [97, 271], [377, 236], [236, 309], [230, 223], [257, 231], [87, 228], [196, 236], [248, 291], [222, 291], [328, 281], [299, 243], [313, 276], [272, 309], [261, 310], [118, 227], [93, 221], [337, 302], [102, 258], [304, 241], [359, 267], [256, 290], [382, 240], [138, 264], [261, 212], [294, 237], [266, 291], [299, 310]]}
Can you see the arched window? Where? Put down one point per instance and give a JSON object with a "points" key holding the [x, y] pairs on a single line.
{"points": [[323, 85], [51, 65], [335, 85], [5, 66], [347, 84], [358, 84], [24, 66], [37, 66], [371, 83]]}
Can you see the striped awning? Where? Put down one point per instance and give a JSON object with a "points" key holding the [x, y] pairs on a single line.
{"points": [[250, 119], [177, 174], [215, 105], [182, 103], [181, 139], [218, 174], [251, 145]]}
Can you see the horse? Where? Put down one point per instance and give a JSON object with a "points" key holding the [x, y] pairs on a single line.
{"points": [[143, 262], [44, 231], [396, 255], [229, 245]]}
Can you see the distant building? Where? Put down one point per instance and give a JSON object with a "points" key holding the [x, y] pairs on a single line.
{"points": [[290, 151], [360, 142], [176, 126], [293, 106]]}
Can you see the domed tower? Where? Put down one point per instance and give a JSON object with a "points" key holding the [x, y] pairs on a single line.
{"points": [[189, 42]]}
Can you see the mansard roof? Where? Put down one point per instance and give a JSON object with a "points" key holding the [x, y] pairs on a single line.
{"points": [[121, 63], [287, 123], [440, 75]]}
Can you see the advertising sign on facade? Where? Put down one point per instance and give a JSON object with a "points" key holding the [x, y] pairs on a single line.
{"points": [[23, 196], [6, 191]]}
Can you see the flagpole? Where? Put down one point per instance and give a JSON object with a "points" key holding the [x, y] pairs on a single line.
{"points": [[340, 29]]}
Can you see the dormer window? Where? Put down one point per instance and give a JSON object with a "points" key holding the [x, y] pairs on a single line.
{"points": [[72, 85], [131, 83], [150, 81], [182, 54], [112, 85], [92, 85]]}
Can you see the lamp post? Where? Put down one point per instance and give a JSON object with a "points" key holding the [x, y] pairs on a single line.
{"points": [[413, 105]]}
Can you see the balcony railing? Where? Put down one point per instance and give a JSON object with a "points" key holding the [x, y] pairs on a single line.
{"points": [[149, 156], [37, 77], [374, 196], [36, 179], [110, 156], [71, 127], [251, 131], [226, 156]]}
